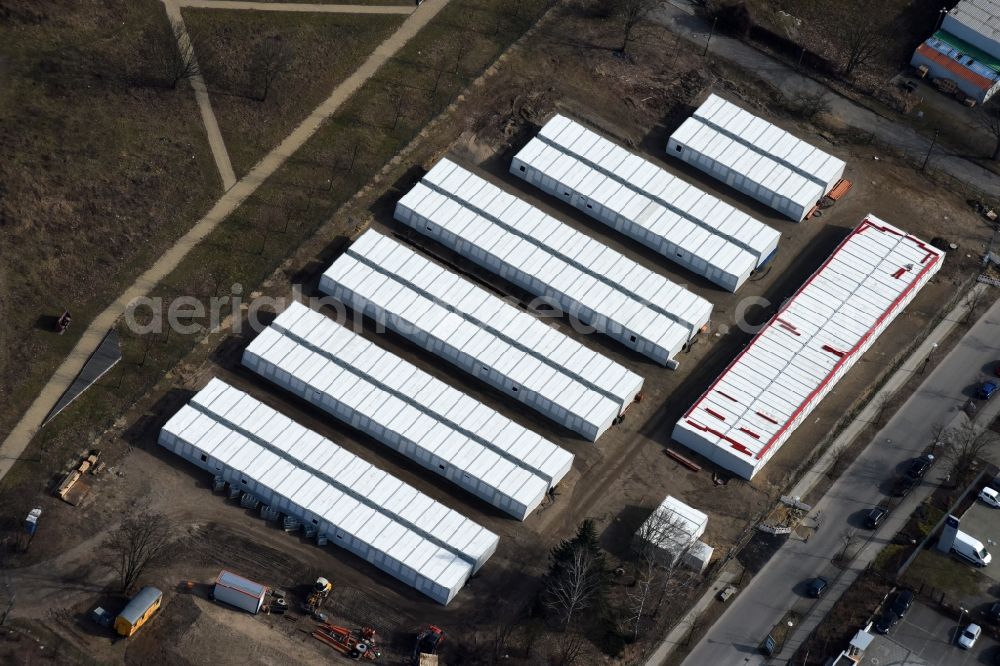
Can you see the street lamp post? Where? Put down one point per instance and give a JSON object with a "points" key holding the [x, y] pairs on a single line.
{"points": [[710, 33], [927, 157], [941, 14]]}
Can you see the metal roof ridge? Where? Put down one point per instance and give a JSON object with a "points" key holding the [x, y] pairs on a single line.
{"points": [[645, 193], [207, 411], [441, 418], [572, 262], [481, 324]]}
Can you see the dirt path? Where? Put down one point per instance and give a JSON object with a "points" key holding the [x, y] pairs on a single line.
{"points": [[298, 7], [19, 438], [215, 142]]}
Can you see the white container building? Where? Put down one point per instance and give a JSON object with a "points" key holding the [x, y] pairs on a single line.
{"points": [[583, 277], [672, 529], [807, 347], [481, 334], [351, 502], [240, 592], [976, 22], [755, 157], [646, 203], [407, 409]]}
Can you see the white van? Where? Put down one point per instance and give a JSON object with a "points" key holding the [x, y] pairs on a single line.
{"points": [[971, 549]]}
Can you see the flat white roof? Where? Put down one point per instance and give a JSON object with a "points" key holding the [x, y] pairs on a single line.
{"points": [[762, 152], [674, 525], [394, 284], [982, 16], [404, 403], [804, 346], [506, 234], [647, 195], [327, 481]]}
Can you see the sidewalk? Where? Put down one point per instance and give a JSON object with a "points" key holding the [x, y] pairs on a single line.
{"points": [[811, 477], [678, 17]]}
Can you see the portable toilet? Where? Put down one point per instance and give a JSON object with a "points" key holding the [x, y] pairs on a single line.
{"points": [[138, 611]]}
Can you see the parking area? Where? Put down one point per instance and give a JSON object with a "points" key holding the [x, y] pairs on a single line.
{"points": [[926, 636], [983, 522]]}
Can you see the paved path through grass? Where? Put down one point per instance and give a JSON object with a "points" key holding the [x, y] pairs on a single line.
{"points": [[17, 441], [299, 7], [215, 142]]}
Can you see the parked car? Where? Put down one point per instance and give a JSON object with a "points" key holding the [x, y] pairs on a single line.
{"points": [[875, 517], [990, 497], [904, 485], [919, 466], [817, 586], [886, 621], [902, 603], [969, 636], [986, 390], [992, 613]]}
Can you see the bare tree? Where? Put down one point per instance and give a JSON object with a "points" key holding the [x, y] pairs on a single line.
{"points": [[965, 444], [574, 586], [988, 116], [858, 32], [881, 406], [138, 543], [660, 543], [838, 456], [171, 54], [567, 648], [632, 13], [271, 59], [973, 300]]}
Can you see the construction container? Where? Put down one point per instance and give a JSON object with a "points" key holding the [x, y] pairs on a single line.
{"points": [[240, 592], [138, 611], [755, 157], [481, 334], [641, 200], [585, 278], [340, 497], [407, 409]]}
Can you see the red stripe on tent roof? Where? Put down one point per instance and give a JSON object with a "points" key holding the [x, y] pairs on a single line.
{"points": [[732, 442], [865, 224], [750, 432], [899, 273], [768, 418], [834, 351], [716, 414], [726, 395]]}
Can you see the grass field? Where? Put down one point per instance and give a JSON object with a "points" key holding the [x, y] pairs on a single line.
{"points": [[319, 50], [103, 167]]}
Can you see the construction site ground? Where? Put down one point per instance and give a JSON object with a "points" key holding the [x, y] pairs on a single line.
{"points": [[569, 65]]}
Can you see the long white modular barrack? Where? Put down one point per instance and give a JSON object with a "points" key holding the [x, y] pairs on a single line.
{"points": [[353, 503], [481, 334], [756, 157], [801, 354], [585, 278], [641, 200], [408, 410]]}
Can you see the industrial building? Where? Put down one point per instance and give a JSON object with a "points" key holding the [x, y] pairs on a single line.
{"points": [[673, 530], [643, 201], [408, 410], [583, 277], [297, 472], [977, 23], [755, 157], [236, 590], [481, 334], [974, 72], [807, 347], [138, 610]]}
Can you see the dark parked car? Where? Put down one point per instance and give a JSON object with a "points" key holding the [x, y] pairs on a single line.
{"points": [[817, 586], [993, 613], [902, 603], [886, 621], [904, 485], [987, 390], [919, 466], [875, 517]]}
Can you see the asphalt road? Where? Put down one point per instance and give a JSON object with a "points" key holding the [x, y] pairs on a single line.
{"points": [[735, 637]]}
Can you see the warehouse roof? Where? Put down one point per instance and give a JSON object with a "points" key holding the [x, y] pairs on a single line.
{"points": [[762, 392], [764, 153], [982, 16], [390, 282], [404, 402], [649, 196], [327, 481]]}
